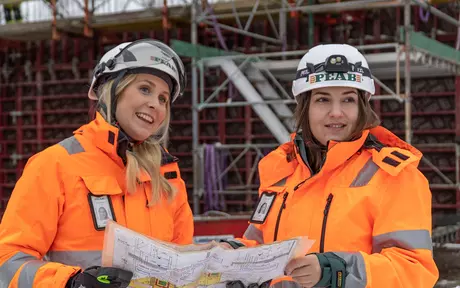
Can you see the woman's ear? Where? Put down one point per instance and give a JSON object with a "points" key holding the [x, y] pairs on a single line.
{"points": [[92, 95]]}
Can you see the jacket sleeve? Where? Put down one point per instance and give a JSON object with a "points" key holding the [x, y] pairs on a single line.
{"points": [[183, 218], [402, 247], [29, 226]]}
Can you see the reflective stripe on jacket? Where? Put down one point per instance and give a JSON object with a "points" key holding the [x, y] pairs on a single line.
{"points": [[47, 232]]}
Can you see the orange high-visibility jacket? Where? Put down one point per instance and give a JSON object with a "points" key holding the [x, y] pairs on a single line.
{"points": [[369, 204], [48, 233]]}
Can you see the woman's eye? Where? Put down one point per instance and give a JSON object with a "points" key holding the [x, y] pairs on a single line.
{"points": [[163, 99], [145, 90], [322, 99], [350, 100]]}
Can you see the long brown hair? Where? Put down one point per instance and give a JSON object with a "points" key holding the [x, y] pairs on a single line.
{"points": [[367, 119]]}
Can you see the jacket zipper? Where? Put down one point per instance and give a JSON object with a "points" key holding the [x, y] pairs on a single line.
{"points": [[323, 229], [311, 171], [283, 206]]}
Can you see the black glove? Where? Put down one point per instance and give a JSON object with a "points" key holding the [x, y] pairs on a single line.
{"points": [[234, 244], [239, 284], [101, 277]]}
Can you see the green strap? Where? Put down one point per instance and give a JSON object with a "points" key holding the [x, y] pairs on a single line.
{"points": [[333, 270]]}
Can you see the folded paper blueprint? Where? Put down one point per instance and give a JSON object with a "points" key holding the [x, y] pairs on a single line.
{"points": [[160, 264]]}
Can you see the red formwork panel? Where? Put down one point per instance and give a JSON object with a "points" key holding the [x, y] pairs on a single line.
{"points": [[209, 226], [43, 100]]}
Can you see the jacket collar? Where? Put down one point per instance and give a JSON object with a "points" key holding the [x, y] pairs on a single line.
{"points": [[103, 135], [389, 139], [284, 160], [114, 142], [337, 152]]}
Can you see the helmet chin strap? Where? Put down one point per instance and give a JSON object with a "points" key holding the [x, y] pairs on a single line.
{"points": [[124, 142]]}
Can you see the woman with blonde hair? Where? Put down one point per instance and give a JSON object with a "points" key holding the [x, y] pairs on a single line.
{"points": [[51, 234]]}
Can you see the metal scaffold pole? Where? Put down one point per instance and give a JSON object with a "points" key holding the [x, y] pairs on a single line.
{"points": [[407, 74], [195, 124]]}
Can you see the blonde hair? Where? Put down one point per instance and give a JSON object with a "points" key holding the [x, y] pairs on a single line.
{"points": [[145, 156], [367, 119]]}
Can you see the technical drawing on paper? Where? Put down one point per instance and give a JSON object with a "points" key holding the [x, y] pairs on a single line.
{"points": [[135, 252], [146, 258], [254, 265], [149, 259], [266, 257]]}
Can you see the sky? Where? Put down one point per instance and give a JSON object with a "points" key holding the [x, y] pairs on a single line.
{"points": [[39, 10]]}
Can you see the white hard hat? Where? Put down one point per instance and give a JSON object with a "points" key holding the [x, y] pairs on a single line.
{"points": [[333, 65], [141, 56]]}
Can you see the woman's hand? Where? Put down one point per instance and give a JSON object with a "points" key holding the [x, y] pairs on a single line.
{"points": [[304, 270], [226, 246]]}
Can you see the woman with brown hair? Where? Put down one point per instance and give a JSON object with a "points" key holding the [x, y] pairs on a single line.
{"points": [[347, 183]]}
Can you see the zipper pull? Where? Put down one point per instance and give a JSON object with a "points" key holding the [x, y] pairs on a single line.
{"points": [[278, 219], [284, 200], [323, 228], [300, 184], [328, 204]]}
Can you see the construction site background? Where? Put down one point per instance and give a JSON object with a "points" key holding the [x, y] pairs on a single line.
{"points": [[240, 57]]}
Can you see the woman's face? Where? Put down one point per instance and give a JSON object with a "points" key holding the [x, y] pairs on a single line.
{"points": [[333, 113], [142, 106], [102, 213]]}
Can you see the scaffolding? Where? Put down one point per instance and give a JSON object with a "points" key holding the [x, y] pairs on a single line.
{"points": [[258, 77], [80, 18]]}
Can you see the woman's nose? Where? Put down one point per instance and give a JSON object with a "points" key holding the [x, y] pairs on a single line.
{"points": [[153, 102], [336, 110]]}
